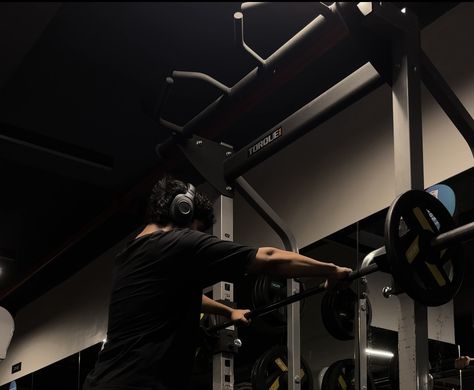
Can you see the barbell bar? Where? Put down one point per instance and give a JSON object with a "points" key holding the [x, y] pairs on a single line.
{"points": [[458, 235], [422, 254], [260, 311]]}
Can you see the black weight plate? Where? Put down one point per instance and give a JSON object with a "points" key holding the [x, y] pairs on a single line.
{"points": [[338, 313], [270, 371], [340, 375], [327, 316], [337, 320], [263, 324], [270, 289], [274, 290], [429, 276]]}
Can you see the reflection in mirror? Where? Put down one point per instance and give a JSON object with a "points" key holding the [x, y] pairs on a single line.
{"points": [[327, 339], [68, 373]]}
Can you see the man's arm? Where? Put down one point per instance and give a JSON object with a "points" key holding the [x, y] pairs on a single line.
{"points": [[288, 264], [212, 307]]}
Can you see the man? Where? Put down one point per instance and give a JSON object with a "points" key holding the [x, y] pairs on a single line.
{"points": [[157, 292]]}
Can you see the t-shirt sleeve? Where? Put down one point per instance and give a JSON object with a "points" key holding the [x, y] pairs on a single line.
{"points": [[220, 260]]}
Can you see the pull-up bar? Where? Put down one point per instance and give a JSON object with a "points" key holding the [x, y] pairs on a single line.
{"points": [[287, 72]]}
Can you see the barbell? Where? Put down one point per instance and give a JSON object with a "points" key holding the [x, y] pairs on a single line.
{"points": [[422, 254]]}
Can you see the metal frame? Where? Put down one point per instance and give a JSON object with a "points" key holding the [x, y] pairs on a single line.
{"points": [[447, 99], [402, 72], [223, 362], [343, 94], [300, 53], [408, 159], [360, 336], [293, 312], [312, 33]]}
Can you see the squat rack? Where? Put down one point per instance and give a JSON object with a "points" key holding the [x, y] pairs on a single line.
{"points": [[384, 47]]}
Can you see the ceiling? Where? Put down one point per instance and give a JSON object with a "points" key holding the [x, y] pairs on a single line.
{"points": [[79, 85]]}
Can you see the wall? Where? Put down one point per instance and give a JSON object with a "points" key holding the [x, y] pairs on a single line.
{"points": [[52, 327]]}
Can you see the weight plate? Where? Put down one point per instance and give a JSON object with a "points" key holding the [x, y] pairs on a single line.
{"points": [[270, 289], [341, 376], [270, 371], [428, 275], [274, 290], [338, 313]]}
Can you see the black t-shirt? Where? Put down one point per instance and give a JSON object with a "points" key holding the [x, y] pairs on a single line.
{"points": [[155, 306]]}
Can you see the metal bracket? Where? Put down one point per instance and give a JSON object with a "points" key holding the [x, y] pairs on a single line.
{"points": [[373, 29], [392, 290], [208, 159]]}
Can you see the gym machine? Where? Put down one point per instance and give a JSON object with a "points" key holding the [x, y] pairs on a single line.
{"points": [[384, 47]]}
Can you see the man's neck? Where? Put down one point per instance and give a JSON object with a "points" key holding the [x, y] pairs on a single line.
{"points": [[152, 228]]}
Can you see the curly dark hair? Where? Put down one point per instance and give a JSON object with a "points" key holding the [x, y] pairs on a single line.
{"points": [[163, 194]]}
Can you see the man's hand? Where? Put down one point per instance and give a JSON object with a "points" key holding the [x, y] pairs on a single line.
{"points": [[336, 280], [462, 362], [238, 316]]}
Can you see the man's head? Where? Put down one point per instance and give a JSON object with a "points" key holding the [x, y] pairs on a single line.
{"points": [[161, 198]]}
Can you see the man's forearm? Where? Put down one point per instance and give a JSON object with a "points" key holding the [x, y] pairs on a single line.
{"points": [[212, 307], [289, 264]]}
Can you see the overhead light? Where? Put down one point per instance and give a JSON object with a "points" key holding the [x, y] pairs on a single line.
{"points": [[379, 353], [404, 10]]}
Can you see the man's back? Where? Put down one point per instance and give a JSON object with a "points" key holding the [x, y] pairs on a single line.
{"points": [[155, 306]]}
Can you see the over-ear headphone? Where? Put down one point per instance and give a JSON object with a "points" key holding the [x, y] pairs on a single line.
{"points": [[182, 207]]}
